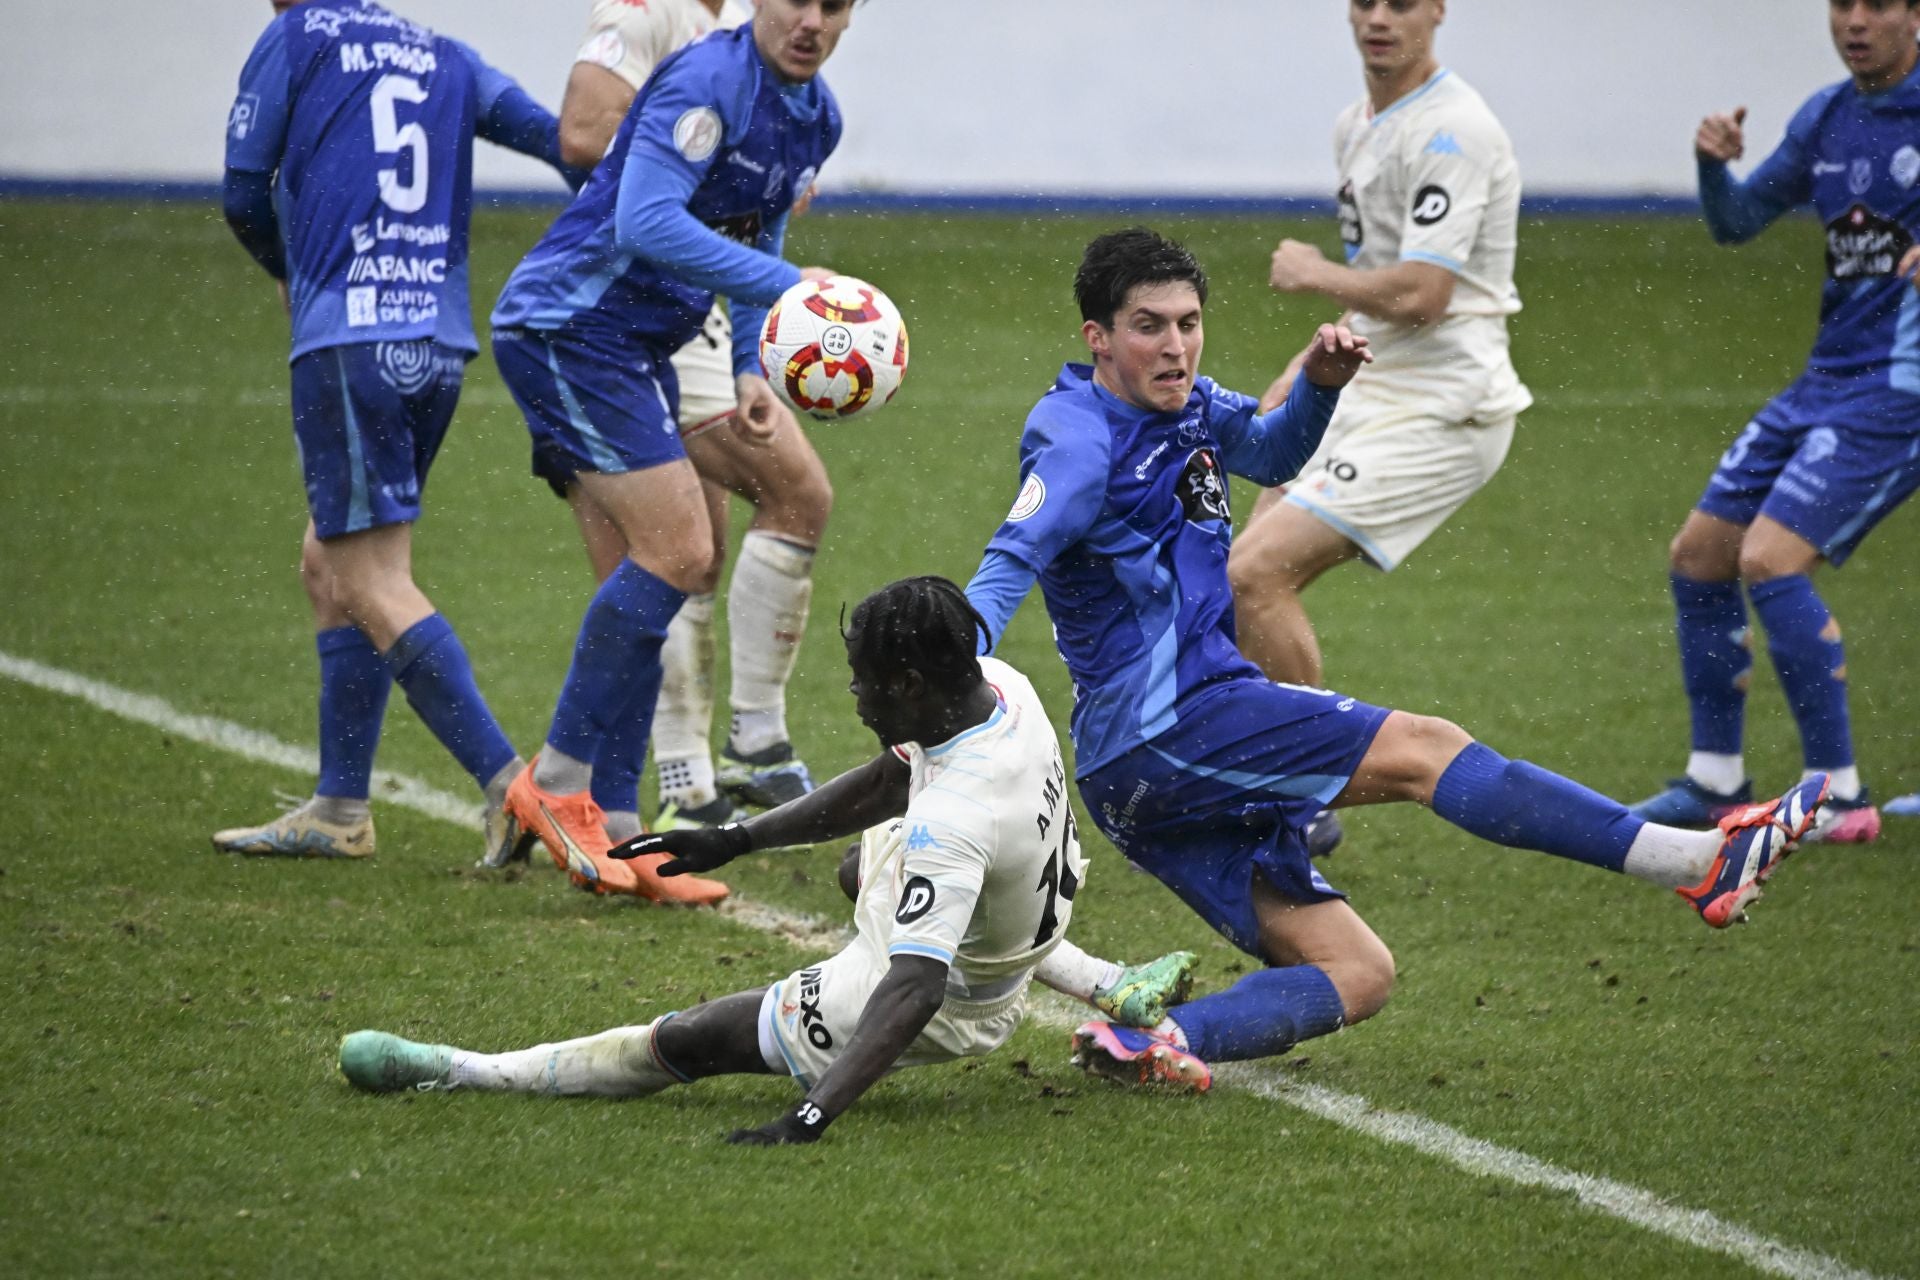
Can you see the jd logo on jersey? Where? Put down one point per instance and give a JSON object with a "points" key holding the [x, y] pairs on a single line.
{"points": [[1430, 204], [915, 900], [1203, 494]]}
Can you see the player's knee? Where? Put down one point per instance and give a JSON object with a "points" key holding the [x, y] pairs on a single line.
{"points": [[316, 578], [1433, 743], [1702, 559], [1761, 563], [798, 509], [1366, 982]]}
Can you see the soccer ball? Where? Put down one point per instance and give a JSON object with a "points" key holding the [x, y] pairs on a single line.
{"points": [[834, 348]]}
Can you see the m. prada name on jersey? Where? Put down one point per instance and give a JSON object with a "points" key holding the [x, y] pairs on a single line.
{"points": [[1862, 243], [1202, 489]]}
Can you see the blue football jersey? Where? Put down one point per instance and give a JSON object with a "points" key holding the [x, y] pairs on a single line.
{"points": [[713, 132], [1856, 158], [1123, 514], [368, 121]]}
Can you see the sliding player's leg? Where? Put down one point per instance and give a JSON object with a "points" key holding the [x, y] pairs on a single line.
{"points": [[716, 1038]]}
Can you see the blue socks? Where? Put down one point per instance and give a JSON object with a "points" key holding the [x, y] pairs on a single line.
{"points": [[1265, 1013], [616, 658], [1522, 806], [1716, 660], [431, 665], [1804, 642], [354, 682], [623, 752]]}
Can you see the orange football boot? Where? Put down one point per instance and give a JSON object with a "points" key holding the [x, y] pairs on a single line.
{"points": [[682, 891], [574, 830]]}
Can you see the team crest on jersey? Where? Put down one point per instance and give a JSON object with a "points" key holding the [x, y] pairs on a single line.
{"points": [[1202, 489], [326, 20], [1430, 204], [1033, 496], [1905, 167], [1861, 243], [696, 134], [1860, 176]]}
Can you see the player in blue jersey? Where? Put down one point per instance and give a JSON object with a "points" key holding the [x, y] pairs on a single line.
{"points": [[1199, 768], [1831, 456], [349, 179], [691, 200]]}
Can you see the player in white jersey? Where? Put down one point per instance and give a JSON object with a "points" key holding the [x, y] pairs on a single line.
{"points": [[784, 479], [967, 874], [1429, 200]]}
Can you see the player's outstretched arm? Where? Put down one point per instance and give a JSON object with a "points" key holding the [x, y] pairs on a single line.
{"points": [[1270, 449], [857, 799], [1409, 292], [897, 1011]]}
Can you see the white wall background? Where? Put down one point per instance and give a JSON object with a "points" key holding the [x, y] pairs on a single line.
{"points": [[1229, 97]]}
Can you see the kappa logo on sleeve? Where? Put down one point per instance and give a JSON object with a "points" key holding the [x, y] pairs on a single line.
{"points": [[696, 135], [915, 900], [1033, 496], [1430, 204], [604, 49]]}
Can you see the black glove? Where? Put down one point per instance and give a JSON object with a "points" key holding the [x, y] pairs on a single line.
{"points": [[692, 848], [803, 1124]]}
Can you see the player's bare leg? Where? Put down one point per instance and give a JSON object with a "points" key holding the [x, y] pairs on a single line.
{"points": [[1282, 551], [615, 670], [365, 579], [682, 717], [719, 1037]]}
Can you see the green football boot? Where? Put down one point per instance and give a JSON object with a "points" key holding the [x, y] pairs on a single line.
{"points": [[1145, 992], [382, 1063]]}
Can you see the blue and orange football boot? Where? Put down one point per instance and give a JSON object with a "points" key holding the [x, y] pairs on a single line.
{"points": [[1756, 839]]}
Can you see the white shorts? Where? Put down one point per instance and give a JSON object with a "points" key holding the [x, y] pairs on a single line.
{"points": [[1387, 475], [808, 1017], [705, 369]]}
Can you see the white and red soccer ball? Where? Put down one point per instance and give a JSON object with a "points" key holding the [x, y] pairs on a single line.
{"points": [[834, 348]]}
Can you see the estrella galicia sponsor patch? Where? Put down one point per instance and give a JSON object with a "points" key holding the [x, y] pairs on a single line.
{"points": [[916, 899], [1430, 204], [1033, 496], [1202, 490], [1861, 243], [696, 134]]}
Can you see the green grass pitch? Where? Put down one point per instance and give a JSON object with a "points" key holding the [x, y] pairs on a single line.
{"points": [[168, 1101]]}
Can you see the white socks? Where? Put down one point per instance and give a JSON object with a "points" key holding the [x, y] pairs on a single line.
{"points": [[1846, 782], [1670, 857], [767, 604], [683, 718], [614, 1064], [1072, 972], [1724, 774]]}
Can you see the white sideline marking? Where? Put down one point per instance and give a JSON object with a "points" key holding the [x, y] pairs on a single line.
{"points": [[388, 788], [1630, 1204]]}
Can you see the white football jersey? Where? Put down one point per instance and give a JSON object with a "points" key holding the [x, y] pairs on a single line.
{"points": [[630, 37], [986, 864], [1433, 179]]}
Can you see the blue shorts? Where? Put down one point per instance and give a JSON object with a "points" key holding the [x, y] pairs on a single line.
{"points": [[1228, 790], [369, 418], [1827, 461], [590, 408]]}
